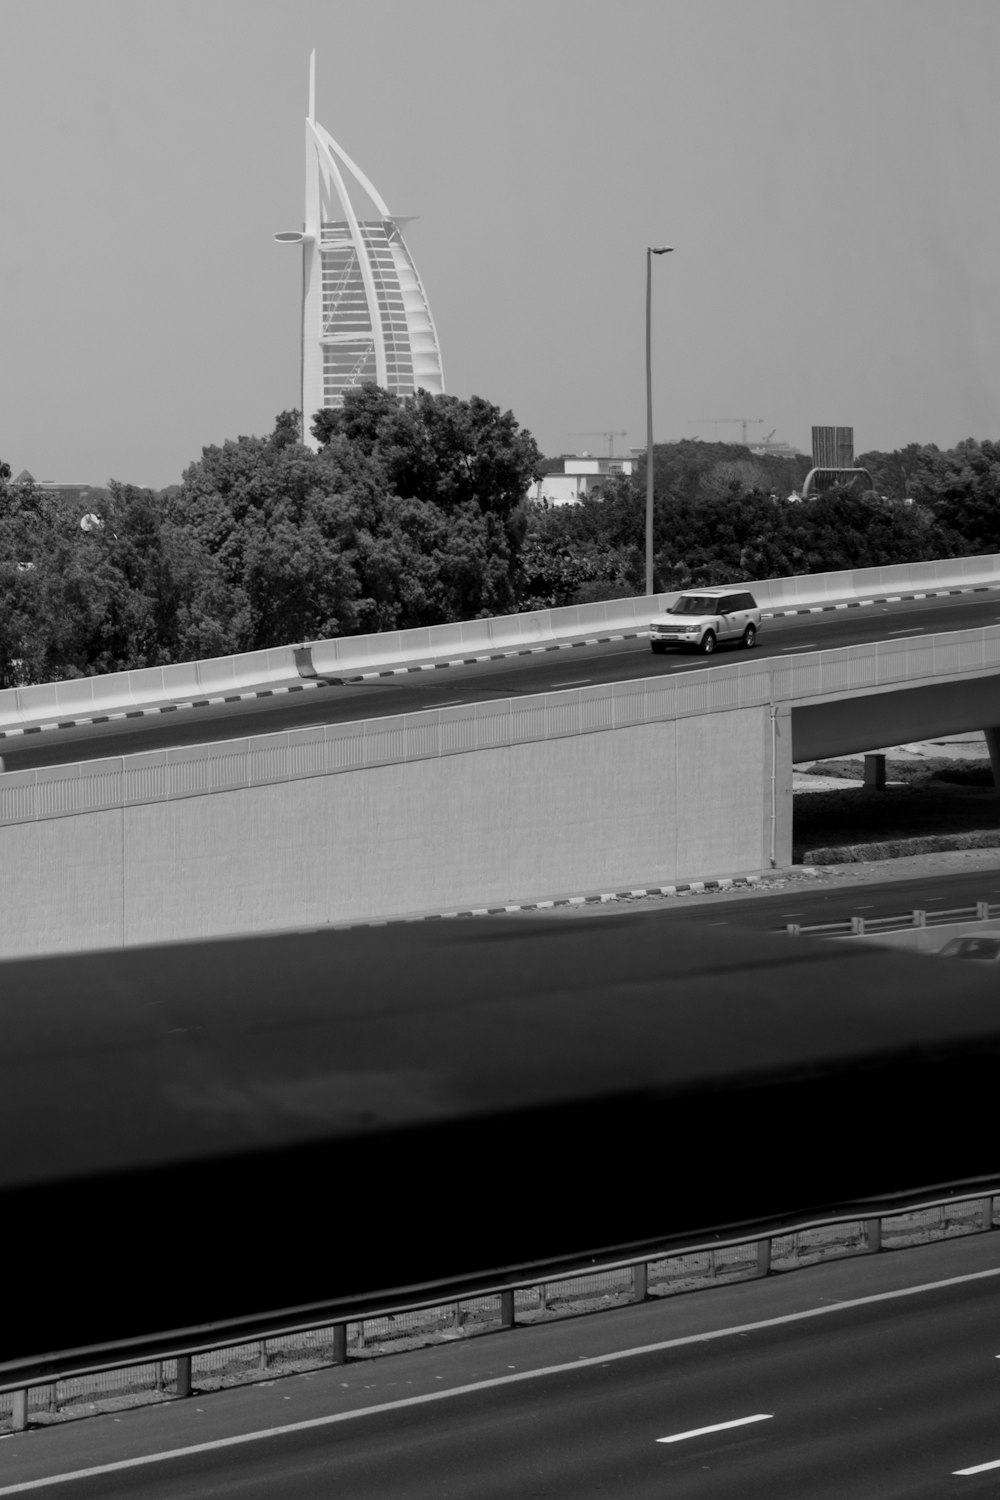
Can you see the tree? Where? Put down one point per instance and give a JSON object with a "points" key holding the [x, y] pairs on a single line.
{"points": [[962, 489], [20, 593], [575, 554], [891, 472], [468, 460], [259, 548], [287, 429], [358, 420]]}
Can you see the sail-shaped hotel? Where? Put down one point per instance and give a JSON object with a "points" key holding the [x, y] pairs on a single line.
{"points": [[365, 314]]}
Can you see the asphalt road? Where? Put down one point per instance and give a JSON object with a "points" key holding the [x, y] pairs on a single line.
{"points": [[802, 901], [876, 1380], [512, 677]]}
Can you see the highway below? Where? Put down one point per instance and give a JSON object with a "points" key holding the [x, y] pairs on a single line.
{"points": [[814, 1386], [514, 676], [810, 900], [875, 1379]]}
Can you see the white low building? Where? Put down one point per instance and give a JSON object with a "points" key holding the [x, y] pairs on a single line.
{"points": [[578, 477]]}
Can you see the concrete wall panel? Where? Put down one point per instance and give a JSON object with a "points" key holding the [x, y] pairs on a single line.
{"points": [[485, 828], [721, 786], [61, 884], [657, 803]]}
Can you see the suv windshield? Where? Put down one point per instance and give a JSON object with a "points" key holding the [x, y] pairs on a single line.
{"points": [[693, 604]]}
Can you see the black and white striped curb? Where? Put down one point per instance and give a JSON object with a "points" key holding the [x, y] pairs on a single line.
{"points": [[331, 680], [319, 681], [162, 708], [634, 635], [819, 609], [473, 661], [685, 888]]}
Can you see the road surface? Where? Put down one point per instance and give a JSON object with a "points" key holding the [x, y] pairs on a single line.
{"points": [[874, 1379], [512, 677]]}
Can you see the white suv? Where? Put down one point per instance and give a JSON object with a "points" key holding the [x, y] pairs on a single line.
{"points": [[705, 618]]}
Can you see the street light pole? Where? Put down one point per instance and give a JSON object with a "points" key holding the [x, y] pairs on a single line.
{"points": [[651, 250]]}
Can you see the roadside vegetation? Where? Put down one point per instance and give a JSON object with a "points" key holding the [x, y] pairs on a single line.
{"points": [[413, 513]]}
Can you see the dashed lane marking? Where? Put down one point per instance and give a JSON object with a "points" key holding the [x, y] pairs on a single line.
{"points": [[994, 1463], [330, 680], [680, 1437], [493, 1382]]}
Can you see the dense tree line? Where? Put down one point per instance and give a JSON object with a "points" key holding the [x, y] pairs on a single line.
{"points": [[722, 515], [412, 512]]}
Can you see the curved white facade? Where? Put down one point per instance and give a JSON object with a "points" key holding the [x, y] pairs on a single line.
{"points": [[365, 314]]}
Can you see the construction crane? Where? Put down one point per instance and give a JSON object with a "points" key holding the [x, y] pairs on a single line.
{"points": [[718, 422], [606, 434]]}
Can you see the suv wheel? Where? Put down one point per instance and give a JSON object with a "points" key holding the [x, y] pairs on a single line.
{"points": [[708, 643], [658, 647], [750, 637]]}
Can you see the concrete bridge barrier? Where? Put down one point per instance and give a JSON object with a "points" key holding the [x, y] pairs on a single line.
{"points": [[124, 690]]}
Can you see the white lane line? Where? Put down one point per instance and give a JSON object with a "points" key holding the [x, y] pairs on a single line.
{"points": [[979, 1468], [805, 646], [679, 1437], [573, 682], [918, 630], [494, 1381]]}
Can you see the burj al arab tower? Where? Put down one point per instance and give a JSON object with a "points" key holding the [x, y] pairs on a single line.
{"points": [[365, 315]]}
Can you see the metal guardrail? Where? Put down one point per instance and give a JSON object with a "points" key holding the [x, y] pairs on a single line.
{"points": [[495, 1309], [983, 911]]}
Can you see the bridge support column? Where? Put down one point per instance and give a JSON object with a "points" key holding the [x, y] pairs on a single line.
{"points": [[778, 797], [993, 746], [875, 772]]}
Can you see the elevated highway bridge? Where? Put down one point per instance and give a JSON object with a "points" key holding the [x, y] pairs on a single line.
{"points": [[217, 802]]}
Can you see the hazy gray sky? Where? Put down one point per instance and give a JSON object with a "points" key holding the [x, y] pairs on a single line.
{"points": [[826, 169]]}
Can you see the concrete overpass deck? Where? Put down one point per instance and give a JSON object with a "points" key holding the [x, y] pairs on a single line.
{"points": [[543, 669], [490, 783]]}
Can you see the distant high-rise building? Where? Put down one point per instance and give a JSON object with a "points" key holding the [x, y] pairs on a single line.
{"points": [[365, 314]]}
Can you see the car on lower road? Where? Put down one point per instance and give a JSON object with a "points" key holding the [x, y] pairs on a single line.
{"points": [[702, 619], [977, 950]]}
